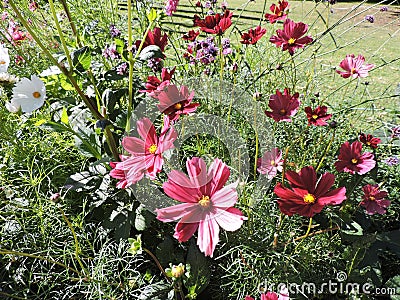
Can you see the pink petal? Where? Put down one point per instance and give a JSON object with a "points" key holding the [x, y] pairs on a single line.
{"points": [[175, 212], [230, 219], [208, 236], [225, 197], [184, 231]]}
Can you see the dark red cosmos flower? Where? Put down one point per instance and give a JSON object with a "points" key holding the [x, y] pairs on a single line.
{"points": [[283, 106], [369, 140], [307, 196], [153, 83], [351, 160], [374, 200], [215, 24], [279, 12], [318, 116], [191, 35], [154, 37], [290, 38], [253, 35]]}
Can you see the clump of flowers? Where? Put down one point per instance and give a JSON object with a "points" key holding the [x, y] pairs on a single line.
{"points": [[353, 161], [370, 18], [206, 51], [206, 204], [111, 52], [279, 12], [291, 37], [392, 161], [374, 199], [307, 196], [114, 31], [283, 106], [354, 67]]}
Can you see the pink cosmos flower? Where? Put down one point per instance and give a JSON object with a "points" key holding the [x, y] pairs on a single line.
{"points": [[171, 7], [283, 295], [279, 12], [253, 35], [270, 163], [318, 116], [174, 102], [206, 203], [354, 67], [146, 154], [283, 106], [374, 200], [351, 160], [291, 37], [307, 196]]}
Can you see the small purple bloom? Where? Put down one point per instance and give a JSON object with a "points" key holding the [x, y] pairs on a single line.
{"points": [[395, 132], [370, 18], [392, 161], [171, 7], [111, 52], [226, 46], [114, 31], [122, 69], [384, 8], [155, 64], [207, 4], [206, 51]]}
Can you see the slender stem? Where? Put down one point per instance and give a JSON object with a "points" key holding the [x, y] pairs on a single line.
{"points": [[304, 236], [11, 252], [61, 35], [71, 22], [321, 160], [130, 58], [77, 248], [157, 262]]}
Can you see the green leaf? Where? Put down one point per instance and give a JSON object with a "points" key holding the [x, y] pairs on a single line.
{"points": [[152, 15], [394, 285], [64, 116], [143, 218], [82, 58], [200, 272], [65, 83], [136, 245], [155, 291]]}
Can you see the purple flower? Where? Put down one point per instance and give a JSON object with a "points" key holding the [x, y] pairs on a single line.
{"points": [[206, 51], [226, 46], [396, 132], [155, 64], [114, 31], [370, 18], [111, 52], [207, 4], [384, 8], [392, 161], [122, 69]]}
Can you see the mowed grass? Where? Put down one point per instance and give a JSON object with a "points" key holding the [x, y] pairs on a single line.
{"points": [[341, 29]]}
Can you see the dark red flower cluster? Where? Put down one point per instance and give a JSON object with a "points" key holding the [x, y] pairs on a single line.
{"points": [[214, 24]]}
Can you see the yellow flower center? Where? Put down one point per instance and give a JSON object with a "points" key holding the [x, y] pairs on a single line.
{"points": [[2, 62], [178, 106], [372, 198], [280, 14], [36, 95], [291, 41], [353, 70], [354, 160], [152, 149], [272, 163], [309, 198], [204, 201], [315, 117], [282, 112], [369, 143]]}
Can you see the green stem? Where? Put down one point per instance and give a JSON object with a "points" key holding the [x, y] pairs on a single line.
{"points": [[305, 236], [321, 160], [11, 252], [157, 262], [61, 35], [77, 248], [71, 22]]}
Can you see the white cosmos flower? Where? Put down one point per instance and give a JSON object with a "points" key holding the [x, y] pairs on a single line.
{"points": [[4, 59], [27, 95]]}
